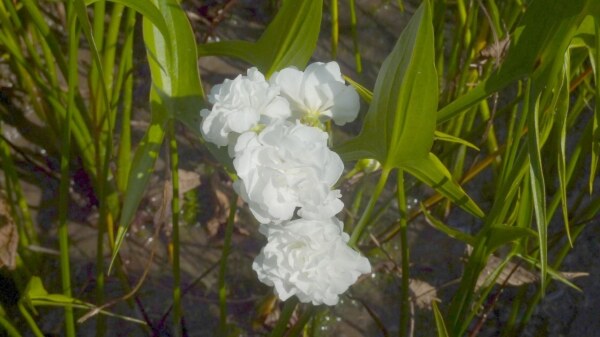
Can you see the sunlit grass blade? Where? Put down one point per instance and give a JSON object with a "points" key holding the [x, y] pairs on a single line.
{"points": [[439, 135]]}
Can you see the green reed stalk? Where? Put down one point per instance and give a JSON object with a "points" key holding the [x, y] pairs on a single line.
{"points": [[353, 30], [335, 28], [366, 216], [405, 300], [63, 232], [223, 267], [174, 160]]}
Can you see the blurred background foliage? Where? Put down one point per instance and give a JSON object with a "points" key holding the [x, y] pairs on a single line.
{"points": [[116, 217]]}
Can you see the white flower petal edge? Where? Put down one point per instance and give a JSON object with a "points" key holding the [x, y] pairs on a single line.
{"points": [[319, 91], [286, 166], [239, 105], [309, 259]]}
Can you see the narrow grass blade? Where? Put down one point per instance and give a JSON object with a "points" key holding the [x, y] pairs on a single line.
{"points": [[536, 173], [543, 25], [439, 320], [451, 232], [452, 139], [142, 167], [561, 126]]}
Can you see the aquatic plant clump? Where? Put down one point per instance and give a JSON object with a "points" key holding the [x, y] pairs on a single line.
{"points": [[286, 173]]}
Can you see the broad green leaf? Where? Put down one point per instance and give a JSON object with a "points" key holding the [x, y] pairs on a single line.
{"points": [[400, 122], [532, 47], [289, 40], [176, 93], [439, 320], [432, 172]]}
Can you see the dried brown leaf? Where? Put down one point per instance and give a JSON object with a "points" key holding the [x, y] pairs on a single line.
{"points": [[423, 293]]}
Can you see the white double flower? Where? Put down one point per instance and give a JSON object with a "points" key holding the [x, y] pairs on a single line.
{"points": [[240, 105], [309, 259], [286, 170], [288, 166]]}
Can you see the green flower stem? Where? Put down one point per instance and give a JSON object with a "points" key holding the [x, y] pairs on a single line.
{"points": [[177, 314], [366, 216], [32, 324], [284, 318], [405, 301], [223, 267]]}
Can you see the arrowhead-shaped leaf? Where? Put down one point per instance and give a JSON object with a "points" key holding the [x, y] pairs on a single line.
{"points": [[400, 124]]}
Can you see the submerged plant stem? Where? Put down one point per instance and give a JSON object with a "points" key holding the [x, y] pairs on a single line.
{"points": [[223, 267], [174, 159], [366, 216], [405, 301]]}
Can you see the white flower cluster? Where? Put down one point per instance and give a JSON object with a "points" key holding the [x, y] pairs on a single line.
{"points": [[287, 172]]}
